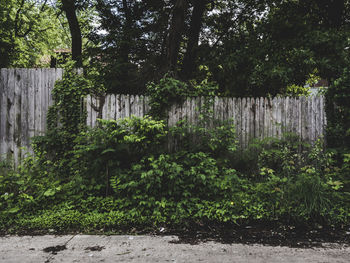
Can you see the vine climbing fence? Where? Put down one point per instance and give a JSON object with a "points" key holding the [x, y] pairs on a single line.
{"points": [[25, 96]]}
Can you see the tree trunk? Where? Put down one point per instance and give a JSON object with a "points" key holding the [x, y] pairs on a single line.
{"points": [[175, 34], [69, 8], [189, 64], [124, 50]]}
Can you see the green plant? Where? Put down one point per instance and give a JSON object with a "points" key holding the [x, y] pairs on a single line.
{"points": [[65, 119], [338, 112], [170, 91], [115, 145]]}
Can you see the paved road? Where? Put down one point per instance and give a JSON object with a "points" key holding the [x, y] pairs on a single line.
{"points": [[85, 248]]}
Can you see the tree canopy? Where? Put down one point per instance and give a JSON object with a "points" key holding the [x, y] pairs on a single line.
{"points": [[250, 48]]}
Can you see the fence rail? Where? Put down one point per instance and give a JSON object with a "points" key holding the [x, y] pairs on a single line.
{"points": [[25, 96]]}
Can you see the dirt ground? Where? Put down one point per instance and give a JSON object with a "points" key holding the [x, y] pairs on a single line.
{"points": [[126, 248]]}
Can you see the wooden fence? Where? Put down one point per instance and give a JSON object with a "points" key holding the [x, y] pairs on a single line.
{"points": [[25, 96], [252, 117]]}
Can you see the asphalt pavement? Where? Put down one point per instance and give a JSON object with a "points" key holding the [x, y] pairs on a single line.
{"points": [[123, 248]]}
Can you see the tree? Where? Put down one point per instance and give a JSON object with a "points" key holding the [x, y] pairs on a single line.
{"points": [[70, 8], [29, 32], [175, 34], [189, 63]]}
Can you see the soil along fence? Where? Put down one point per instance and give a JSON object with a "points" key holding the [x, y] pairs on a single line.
{"points": [[25, 96], [252, 117]]}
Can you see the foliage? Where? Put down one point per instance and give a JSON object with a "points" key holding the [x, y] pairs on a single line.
{"points": [[65, 119], [29, 33], [338, 112], [170, 91], [123, 174], [114, 146]]}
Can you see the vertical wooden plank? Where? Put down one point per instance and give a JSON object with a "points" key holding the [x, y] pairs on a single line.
{"points": [[146, 106], [42, 101], [268, 117], [31, 104], [303, 118], [3, 112], [216, 108], [244, 122], [295, 116], [314, 118], [132, 105], [88, 110], [224, 109], [51, 84], [279, 117], [239, 121], [191, 112], [37, 106], [235, 116], [122, 106], [127, 106], [92, 121], [288, 109], [110, 110], [94, 103], [135, 111], [197, 109], [286, 123], [105, 107], [251, 120], [256, 114], [309, 119], [43, 98], [171, 116], [261, 118], [273, 117], [108, 103], [230, 109], [17, 143], [117, 107], [247, 111], [10, 113], [183, 111], [140, 106], [188, 110], [137, 106], [113, 107], [299, 114], [282, 115], [179, 113], [318, 117], [322, 116]]}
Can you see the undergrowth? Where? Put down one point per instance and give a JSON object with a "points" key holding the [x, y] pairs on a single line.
{"points": [[138, 172]]}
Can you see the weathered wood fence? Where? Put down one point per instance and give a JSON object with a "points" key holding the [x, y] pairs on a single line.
{"points": [[252, 117], [25, 96]]}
